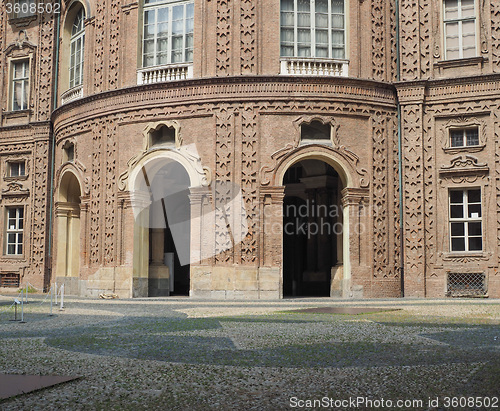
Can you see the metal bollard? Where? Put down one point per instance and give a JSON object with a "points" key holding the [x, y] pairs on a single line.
{"points": [[51, 299], [62, 298], [22, 308]]}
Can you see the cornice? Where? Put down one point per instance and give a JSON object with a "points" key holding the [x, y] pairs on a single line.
{"points": [[237, 88], [449, 88]]}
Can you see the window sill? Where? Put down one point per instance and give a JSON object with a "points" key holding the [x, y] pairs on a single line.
{"points": [[466, 149], [15, 118], [14, 257], [470, 61], [16, 113], [15, 178], [465, 257], [22, 21], [314, 67]]}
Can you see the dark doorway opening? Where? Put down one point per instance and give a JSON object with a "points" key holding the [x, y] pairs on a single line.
{"points": [[312, 228], [170, 232]]}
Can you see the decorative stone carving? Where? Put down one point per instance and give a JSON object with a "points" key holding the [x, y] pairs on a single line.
{"points": [[248, 34], [463, 165]]}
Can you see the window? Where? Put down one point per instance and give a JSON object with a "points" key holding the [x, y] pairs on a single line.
{"points": [[313, 28], [17, 169], [315, 131], [466, 285], [77, 49], [168, 32], [14, 231], [10, 280], [460, 29], [466, 220], [464, 137], [20, 85], [163, 135], [23, 8]]}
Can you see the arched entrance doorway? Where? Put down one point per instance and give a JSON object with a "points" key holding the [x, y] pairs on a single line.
{"points": [[169, 233], [163, 227], [312, 228], [68, 231]]}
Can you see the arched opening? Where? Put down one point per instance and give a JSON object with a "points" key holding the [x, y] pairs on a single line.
{"points": [[165, 184], [68, 227], [312, 229]]}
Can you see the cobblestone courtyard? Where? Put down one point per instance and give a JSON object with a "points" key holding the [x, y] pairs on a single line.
{"points": [[180, 353]]}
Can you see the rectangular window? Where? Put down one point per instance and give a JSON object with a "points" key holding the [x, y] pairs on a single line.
{"points": [[460, 29], [20, 85], [14, 231], [17, 169], [168, 32], [23, 8], [464, 137], [313, 29], [466, 226]]}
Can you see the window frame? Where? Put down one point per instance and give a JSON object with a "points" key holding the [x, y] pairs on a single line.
{"points": [[25, 81], [465, 220], [313, 43], [19, 16], [73, 40], [17, 232], [460, 21], [464, 136], [167, 4], [16, 162]]}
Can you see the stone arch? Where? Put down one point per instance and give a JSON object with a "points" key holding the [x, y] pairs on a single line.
{"points": [[352, 195], [67, 211], [336, 159], [158, 183]]}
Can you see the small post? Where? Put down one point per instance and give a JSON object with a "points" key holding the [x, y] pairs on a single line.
{"points": [[22, 308], [51, 299], [16, 302], [62, 298], [26, 293], [55, 284]]}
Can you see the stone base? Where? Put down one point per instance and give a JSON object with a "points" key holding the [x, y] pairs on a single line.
{"points": [[336, 286], [233, 283], [159, 281], [71, 285]]}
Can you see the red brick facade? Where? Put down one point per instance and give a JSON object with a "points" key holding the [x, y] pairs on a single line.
{"points": [[245, 108]]}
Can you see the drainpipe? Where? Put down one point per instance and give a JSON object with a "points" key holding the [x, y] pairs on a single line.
{"points": [[400, 162], [52, 135]]}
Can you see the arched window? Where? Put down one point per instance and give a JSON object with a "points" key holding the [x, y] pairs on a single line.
{"points": [[76, 50]]}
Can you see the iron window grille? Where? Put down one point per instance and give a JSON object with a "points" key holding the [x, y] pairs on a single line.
{"points": [[466, 285]]}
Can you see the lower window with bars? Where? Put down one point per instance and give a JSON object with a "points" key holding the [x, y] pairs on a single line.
{"points": [[9, 280], [466, 285]]}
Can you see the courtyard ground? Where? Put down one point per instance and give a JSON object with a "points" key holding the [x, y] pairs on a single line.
{"points": [[179, 353]]}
